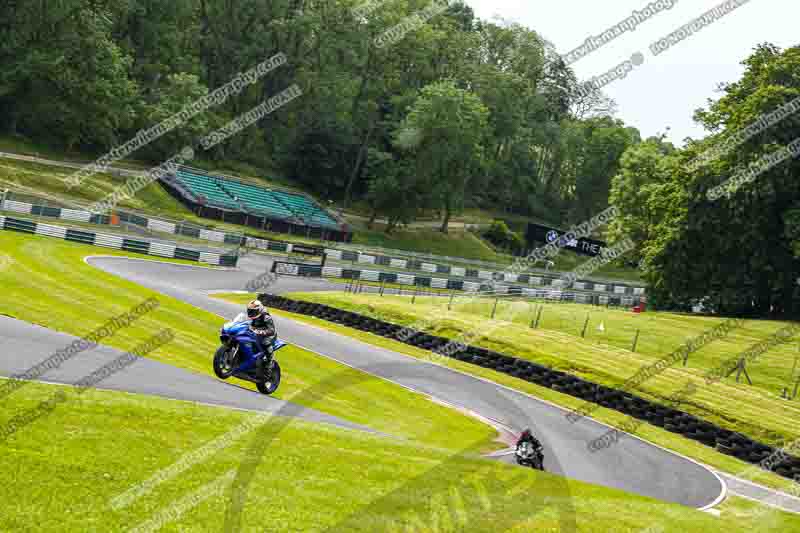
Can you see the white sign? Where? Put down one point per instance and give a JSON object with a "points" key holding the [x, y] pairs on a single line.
{"points": [[288, 269]]}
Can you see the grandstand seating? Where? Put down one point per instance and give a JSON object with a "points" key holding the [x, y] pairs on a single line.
{"points": [[307, 210], [203, 186], [251, 199], [256, 199]]}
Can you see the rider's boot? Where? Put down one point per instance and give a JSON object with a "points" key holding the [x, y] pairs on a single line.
{"points": [[265, 364]]}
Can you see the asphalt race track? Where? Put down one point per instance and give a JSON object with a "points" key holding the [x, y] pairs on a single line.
{"points": [[24, 345], [631, 465]]}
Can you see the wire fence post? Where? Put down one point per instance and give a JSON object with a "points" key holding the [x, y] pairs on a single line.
{"points": [[538, 317], [792, 378], [450, 303], [585, 325], [635, 341], [494, 309], [383, 283], [742, 369], [414, 298], [3, 199]]}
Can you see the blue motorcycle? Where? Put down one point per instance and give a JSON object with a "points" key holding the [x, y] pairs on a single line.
{"points": [[240, 356]]}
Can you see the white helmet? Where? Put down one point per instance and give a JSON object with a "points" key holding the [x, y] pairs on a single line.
{"points": [[256, 309]]}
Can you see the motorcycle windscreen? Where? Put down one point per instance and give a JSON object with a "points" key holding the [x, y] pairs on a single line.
{"points": [[277, 344]]}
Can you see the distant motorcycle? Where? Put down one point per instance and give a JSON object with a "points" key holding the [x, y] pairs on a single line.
{"points": [[528, 455], [239, 356]]}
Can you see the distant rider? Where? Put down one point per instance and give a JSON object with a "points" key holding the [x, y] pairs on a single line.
{"points": [[262, 325], [528, 438]]}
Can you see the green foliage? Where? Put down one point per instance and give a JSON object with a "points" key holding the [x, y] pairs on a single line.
{"points": [[89, 75], [445, 130], [601, 143], [737, 254], [63, 74], [501, 236], [644, 168], [177, 91], [394, 190]]}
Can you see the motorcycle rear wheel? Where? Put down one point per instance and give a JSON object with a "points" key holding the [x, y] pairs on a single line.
{"points": [[271, 384]]}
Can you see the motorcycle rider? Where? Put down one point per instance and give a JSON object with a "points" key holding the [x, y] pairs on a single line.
{"points": [[527, 438], [264, 328]]}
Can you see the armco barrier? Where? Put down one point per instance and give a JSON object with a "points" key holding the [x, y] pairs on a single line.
{"points": [[454, 274], [457, 279], [723, 440], [452, 284], [153, 224], [467, 274], [117, 242]]}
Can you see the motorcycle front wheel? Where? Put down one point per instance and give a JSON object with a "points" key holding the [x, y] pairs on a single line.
{"points": [[271, 384], [223, 366]]}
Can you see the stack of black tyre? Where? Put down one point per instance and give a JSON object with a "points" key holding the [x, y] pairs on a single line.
{"points": [[725, 441]]}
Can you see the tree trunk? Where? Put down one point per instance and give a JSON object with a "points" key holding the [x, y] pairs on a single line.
{"points": [[12, 124], [446, 220], [359, 160]]}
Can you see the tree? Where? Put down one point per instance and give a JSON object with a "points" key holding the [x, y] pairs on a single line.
{"points": [[736, 254], [63, 75], [500, 235], [643, 169], [445, 130], [604, 140], [393, 190], [91, 74], [177, 90]]}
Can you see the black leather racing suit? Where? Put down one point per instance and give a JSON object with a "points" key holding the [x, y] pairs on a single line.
{"points": [[527, 437], [264, 328]]}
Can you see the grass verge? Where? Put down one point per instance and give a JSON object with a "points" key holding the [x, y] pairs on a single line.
{"points": [[648, 432], [45, 281], [62, 472], [604, 354]]}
